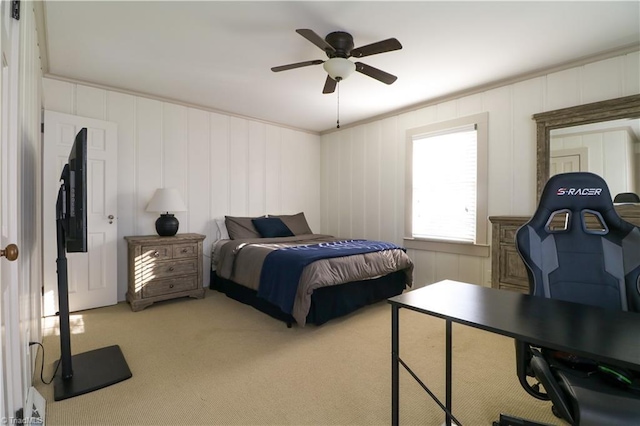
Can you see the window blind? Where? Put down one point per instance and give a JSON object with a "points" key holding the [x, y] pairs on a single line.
{"points": [[444, 185]]}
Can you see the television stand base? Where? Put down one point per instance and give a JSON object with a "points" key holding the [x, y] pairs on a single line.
{"points": [[92, 370]]}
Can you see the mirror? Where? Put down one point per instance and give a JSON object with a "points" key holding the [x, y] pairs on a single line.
{"points": [[614, 109], [609, 149]]}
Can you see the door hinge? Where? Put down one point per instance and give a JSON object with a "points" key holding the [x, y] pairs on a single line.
{"points": [[15, 9], [41, 127]]}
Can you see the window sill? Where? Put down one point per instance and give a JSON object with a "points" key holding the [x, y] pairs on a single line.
{"points": [[467, 249]]}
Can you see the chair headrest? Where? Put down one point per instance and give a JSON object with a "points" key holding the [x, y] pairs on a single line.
{"points": [[626, 197], [576, 191]]}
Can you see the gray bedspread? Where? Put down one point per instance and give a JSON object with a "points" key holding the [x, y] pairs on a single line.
{"points": [[241, 261]]}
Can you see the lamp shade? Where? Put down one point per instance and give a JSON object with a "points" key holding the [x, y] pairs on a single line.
{"points": [[339, 68], [166, 200]]}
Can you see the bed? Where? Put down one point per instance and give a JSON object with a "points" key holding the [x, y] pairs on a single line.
{"points": [[278, 266]]}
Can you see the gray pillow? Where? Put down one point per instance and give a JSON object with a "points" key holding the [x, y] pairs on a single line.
{"points": [[241, 227], [297, 223]]}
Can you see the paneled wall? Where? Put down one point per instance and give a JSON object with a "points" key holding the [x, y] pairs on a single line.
{"points": [[222, 164], [363, 166]]}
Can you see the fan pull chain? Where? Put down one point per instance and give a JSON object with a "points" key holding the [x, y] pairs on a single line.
{"points": [[338, 109]]}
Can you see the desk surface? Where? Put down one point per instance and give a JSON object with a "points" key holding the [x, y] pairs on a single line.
{"points": [[607, 336]]}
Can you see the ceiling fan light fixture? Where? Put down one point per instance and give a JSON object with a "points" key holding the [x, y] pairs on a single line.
{"points": [[339, 68]]}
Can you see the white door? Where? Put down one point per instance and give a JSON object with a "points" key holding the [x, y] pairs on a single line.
{"points": [[11, 382], [93, 275], [568, 160], [565, 164]]}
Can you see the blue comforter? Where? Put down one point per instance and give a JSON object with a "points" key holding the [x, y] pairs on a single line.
{"points": [[282, 268]]}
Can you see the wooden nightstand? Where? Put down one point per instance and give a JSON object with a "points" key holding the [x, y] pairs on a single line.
{"points": [[162, 268]]}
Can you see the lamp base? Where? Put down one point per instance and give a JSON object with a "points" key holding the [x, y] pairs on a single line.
{"points": [[167, 225]]}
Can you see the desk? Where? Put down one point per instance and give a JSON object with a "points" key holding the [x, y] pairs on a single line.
{"points": [[606, 336]]}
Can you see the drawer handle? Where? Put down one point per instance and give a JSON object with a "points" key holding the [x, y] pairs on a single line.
{"points": [[171, 286], [171, 269], [156, 253], [184, 250]]}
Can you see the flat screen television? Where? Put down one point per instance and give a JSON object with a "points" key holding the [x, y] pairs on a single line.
{"points": [[96, 369], [72, 197]]}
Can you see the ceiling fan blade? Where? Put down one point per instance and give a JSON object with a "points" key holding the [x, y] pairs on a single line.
{"points": [[329, 85], [316, 39], [297, 65], [387, 45], [372, 72]]}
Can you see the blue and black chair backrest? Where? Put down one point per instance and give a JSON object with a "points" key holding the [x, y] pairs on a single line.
{"points": [[577, 248]]}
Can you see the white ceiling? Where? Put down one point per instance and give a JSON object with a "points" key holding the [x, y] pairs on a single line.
{"points": [[218, 55]]}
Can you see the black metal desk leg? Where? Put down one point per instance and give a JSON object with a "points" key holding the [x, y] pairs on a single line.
{"points": [[395, 373], [448, 370]]}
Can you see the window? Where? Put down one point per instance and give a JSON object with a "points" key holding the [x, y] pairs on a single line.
{"points": [[447, 184]]}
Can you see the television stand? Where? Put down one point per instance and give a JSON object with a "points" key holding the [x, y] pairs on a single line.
{"points": [[92, 370], [88, 371]]}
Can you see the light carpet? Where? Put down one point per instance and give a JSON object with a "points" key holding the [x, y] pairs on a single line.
{"points": [[215, 361]]}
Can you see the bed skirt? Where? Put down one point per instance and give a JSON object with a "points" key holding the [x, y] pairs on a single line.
{"points": [[326, 302]]}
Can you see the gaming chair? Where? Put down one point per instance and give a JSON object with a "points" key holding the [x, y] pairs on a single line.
{"points": [[626, 197], [576, 248]]}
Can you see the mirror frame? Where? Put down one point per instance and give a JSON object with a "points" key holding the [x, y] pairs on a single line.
{"points": [[612, 109]]}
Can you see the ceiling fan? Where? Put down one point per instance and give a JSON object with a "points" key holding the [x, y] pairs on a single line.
{"points": [[338, 46]]}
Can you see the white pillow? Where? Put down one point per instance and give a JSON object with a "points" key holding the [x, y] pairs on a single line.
{"points": [[222, 229]]}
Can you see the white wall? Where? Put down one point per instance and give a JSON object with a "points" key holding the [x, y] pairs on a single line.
{"points": [[363, 166], [222, 164], [231, 165]]}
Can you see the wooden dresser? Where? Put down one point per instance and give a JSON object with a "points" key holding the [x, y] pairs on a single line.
{"points": [[507, 269], [162, 268]]}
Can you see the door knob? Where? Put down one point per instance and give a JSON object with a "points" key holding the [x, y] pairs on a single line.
{"points": [[110, 217], [10, 252]]}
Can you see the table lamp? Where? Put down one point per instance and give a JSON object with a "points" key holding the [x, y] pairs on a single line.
{"points": [[166, 200]]}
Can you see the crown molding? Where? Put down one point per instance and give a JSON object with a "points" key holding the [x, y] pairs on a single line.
{"points": [[41, 29], [619, 51], [176, 102]]}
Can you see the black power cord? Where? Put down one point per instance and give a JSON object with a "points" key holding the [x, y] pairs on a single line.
{"points": [[42, 365]]}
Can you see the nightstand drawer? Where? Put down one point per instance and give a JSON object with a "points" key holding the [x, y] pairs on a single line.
{"points": [[174, 268], [169, 285], [159, 252], [185, 250]]}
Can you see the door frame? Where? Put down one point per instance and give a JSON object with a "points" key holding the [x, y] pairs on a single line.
{"points": [[13, 370]]}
